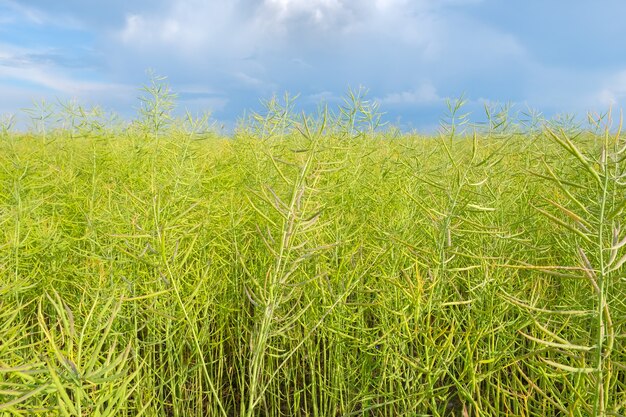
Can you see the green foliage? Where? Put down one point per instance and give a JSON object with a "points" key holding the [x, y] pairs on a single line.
{"points": [[277, 118], [156, 106], [41, 115], [358, 116], [7, 122], [292, 270], [453, 119], [80, 122]]}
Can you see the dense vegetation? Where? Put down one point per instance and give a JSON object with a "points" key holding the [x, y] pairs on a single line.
{"points": [[312, 266]]}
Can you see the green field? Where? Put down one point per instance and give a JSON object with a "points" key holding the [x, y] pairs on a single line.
{"points": [[307, 267]]}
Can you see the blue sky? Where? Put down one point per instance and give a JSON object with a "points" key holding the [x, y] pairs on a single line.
{"points": [[554, 56]]}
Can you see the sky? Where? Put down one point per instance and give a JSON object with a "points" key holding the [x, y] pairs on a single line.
{"points": [[556, 57]]}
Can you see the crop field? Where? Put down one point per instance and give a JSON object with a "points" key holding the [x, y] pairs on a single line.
{"points": [[304, 266]]}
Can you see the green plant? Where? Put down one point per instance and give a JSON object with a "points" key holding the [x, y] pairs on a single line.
{"points": [[358, 115], [81, 371], [156, 106], [196, 127], [500, 122], [589, 211], [7, 123], [532, 121], [277, 118], [288, 271], [453, 119], [40, 115]]}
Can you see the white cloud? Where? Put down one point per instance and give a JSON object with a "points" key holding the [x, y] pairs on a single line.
{"points": [[304, 46], [287, 40], [425, 93], [317, 11], [239, 27], [140, 30], [566, 90], [613, 92], [250, 80], [15, 65], [23, 79], [192, 26]]}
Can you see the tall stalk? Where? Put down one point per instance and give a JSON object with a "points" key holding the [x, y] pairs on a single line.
{"points": [[275, 288], [157, 104]]}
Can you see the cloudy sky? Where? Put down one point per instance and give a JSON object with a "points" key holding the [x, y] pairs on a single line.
{"points": [[557, 56]]}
